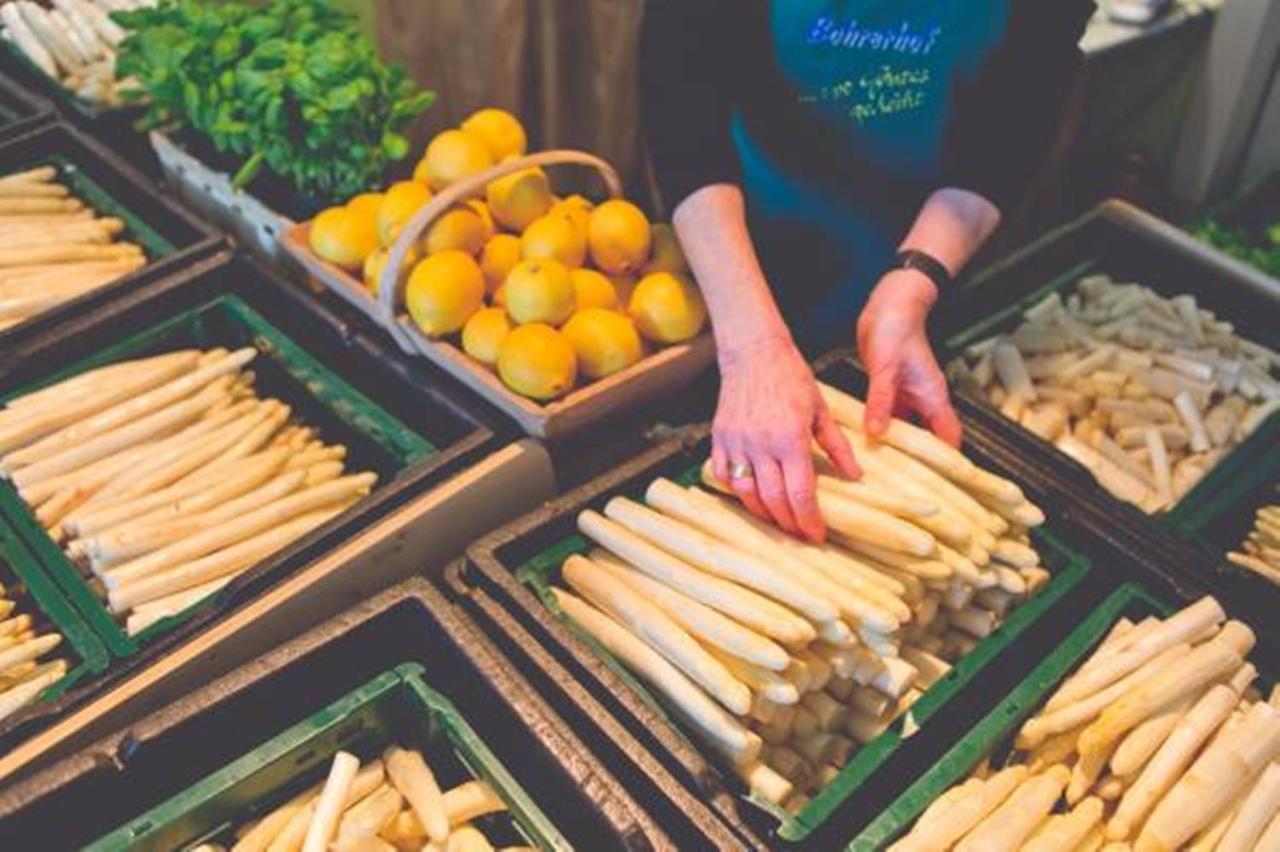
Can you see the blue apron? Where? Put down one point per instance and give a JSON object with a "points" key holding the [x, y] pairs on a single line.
{"points": [[879, 77]]}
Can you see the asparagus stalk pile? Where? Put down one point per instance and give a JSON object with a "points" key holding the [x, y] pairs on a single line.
{"points": [[23, 642], [52, 247], [1146, 392], [73, 41], [387, 805], [1157, 742], [165, 477], [785, 656], [1260, 551]]}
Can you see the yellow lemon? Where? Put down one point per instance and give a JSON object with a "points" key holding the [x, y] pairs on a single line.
{"points": [[365, 204], [605, 341], [501, 254], [576, 208], [624, 286], [459, 228], [399, 203], [500, 296], [452, 156], [481, 210], [667, 255], [483, 334], [539, 291], [554, 237], [500, 131], [376, 262], [593, 290], [343, 238], [444, 291], [618, 234], [519, 198], [667, 308], [537, 361]]}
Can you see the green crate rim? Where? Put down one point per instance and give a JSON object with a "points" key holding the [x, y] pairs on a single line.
{"points": [[997, 724], [868, 759], [469, 747], [45, 596], [356, 410]]}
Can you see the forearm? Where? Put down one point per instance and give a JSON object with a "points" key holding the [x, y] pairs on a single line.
{"points": [[712, 226], [951, 226]]}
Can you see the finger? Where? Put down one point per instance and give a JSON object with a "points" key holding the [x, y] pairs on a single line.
{"points": [[835, 444], [772, 489], [719, 460], [881, 397], [934, 405], [744, 487], [801, 485]]}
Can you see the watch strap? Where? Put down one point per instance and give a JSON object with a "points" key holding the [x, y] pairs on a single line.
{"points": [[927, 264]]}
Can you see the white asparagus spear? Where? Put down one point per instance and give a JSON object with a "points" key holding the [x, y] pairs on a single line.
{"points": [[958, 817], [1019, 815], [725, 734], [1137, 747], [470, 801], [265, 830], [1254, 813], [765, 683], [1063, 832], [16, 697], [61, 393], [324, 821], [741, 604], [657, 629], [32, 649], [703, 622], [764, 781], [903, 506], [148, 614], [415, 781], [291, 837]]}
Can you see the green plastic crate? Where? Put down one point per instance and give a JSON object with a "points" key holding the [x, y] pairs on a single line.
{"points": [[395, 707], [375, 439], [44, 601], [1069, 569], [997, 727]]}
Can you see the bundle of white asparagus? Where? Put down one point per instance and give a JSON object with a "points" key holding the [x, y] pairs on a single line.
{"points": [[73, 41], [167, 476], [52, 247], [391, 804], [1146, 392], [23, 641], [1157, 742], [1260, 551], [784, 656]]}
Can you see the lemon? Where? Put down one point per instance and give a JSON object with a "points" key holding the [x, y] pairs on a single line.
{"points": [[667, 255], [593, 290], [554, 237], [667, 308], [519, 198], [500, 296], [481, 210], [376, 262], [618, 234], [605, 341], [624, 286], [576, 208], [444, 291], [365, 204], [501, 254], [500, 131], [343, 238], [399, 203], [539, 291], [459, 228], [452, 156], [483, 334], [537, 361]]}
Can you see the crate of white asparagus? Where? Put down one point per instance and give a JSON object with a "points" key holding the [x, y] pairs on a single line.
{"points": [[46, 648], [1139, 353], [69, 46], [799, 670], [148, 477], [1148, 727], [393, 761], [77, 227]]}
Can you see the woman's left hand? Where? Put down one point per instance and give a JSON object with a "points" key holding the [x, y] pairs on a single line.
{"points": [[894, 345]]}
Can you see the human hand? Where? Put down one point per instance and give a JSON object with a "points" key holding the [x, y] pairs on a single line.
{"points": [[768, 415], [894, 345]]}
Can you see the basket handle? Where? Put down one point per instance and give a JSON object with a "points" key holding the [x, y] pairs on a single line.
{"points": [[389, 286]]}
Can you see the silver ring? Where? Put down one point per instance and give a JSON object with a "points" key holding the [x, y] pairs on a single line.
{"points": [[740, 470]]}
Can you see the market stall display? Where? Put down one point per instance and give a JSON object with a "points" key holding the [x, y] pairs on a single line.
{"points": [[54, 247], [1147, 392], [1259, 552], [74, 43], [168, 476], [548, 306], [1158, 739]]}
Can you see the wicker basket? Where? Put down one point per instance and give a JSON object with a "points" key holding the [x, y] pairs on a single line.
{"points": [[662, 372]]}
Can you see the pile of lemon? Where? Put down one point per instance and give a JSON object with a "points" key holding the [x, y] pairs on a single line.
{"points": [[543, 289]]}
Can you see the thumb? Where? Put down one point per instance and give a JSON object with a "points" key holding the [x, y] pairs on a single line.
{"points": [[880, 398]]}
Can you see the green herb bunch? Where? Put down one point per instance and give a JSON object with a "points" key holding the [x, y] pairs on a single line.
{"points": [[289, 84], [1239, 243]]}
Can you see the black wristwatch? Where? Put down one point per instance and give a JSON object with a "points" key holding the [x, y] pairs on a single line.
{"points": [[926, 263]]}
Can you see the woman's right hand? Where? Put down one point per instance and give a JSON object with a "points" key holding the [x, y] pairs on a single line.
{"points": [[768, 415]]}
